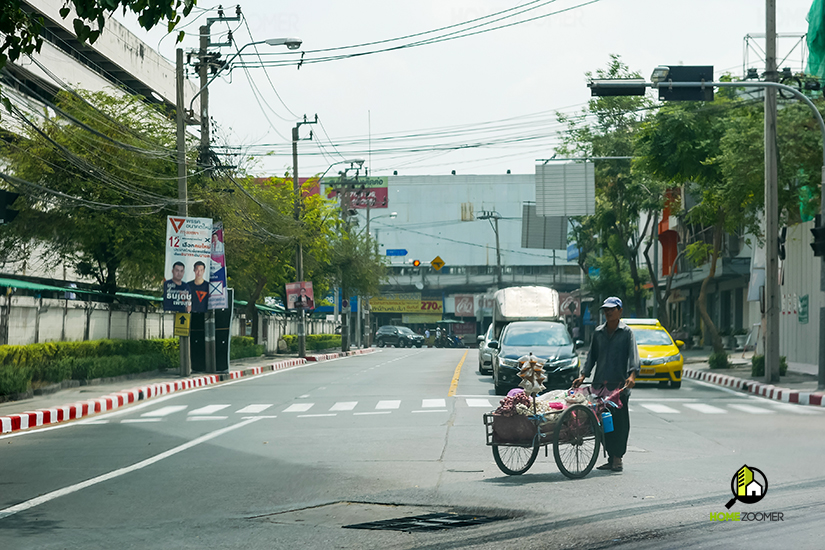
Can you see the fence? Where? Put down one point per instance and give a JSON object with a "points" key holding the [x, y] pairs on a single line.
{"points": [[30, 320]]}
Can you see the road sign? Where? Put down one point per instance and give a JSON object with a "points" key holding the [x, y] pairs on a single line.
{"points": [[396, 252], [182, 324], [437, 263]]}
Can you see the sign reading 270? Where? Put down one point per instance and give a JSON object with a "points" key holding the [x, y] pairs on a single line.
{"points": [[381, 305]]}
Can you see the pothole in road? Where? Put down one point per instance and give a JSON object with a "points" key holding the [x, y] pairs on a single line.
{"points": [[375, 516]]}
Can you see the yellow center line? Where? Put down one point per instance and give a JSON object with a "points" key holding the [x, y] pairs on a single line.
{"points": [[454, 383]]}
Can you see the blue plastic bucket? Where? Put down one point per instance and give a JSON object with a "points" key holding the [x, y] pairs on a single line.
{"points": [[607, 422]]}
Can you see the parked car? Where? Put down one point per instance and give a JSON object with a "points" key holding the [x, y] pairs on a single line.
{"points": [[485, 354], [399, 337], [661, 357], [548, 341]]}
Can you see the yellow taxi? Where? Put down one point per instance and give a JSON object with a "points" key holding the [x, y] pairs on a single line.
{"points": [[661, 358]]}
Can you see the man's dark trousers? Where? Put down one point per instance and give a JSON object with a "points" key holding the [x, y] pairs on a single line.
{"points": [[615, 442]]}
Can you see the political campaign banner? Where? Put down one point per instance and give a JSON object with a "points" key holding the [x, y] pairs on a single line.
{"points": [[299, 295], [217, 275], [188, 260]]}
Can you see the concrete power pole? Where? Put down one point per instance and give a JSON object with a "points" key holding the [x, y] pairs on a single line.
{"points": [[298, 206], [180, 117], [771, 204]]}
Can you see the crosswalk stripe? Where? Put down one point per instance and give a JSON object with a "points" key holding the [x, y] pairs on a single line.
{"points": [[657, 408], [433, 403], [479, 403], [392, 404], [705, 409], [750, 409], [344, 406], [164, 411], [798, 409], [207, 410], [253, 409], [299, 407]]}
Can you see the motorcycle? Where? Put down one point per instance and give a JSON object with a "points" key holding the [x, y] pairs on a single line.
{"points": [[453, 341]]}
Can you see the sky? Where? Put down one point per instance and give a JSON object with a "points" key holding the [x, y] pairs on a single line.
{"points": [[481, 104]]}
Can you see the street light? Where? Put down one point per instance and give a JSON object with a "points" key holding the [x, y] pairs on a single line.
{"points": [[290, 43]]}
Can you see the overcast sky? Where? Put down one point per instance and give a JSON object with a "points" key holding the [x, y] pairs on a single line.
{"points": [[498, 88]]}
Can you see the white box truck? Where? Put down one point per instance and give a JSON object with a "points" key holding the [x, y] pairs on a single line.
{"points": [[524, 303]]}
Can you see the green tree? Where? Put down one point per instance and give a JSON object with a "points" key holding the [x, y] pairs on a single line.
{"points": [[96, 180], [610, 239], [682, 143], [262, 235]]}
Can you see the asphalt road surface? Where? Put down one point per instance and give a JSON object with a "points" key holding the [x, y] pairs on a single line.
{"points": [[286, 459]]}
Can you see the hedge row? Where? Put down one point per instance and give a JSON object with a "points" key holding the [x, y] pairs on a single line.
{"points": [[315, 342], [53, 362], [244, 346]]}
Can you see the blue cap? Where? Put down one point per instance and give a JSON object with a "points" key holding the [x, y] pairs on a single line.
{"points": [[612, 302]]}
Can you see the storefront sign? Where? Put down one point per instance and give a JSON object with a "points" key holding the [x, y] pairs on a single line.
{"points": [[383, 305], [465, 305]]}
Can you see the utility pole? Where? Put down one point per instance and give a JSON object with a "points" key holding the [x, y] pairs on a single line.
{"points": [[298, 207], [493, 215], [180, 118], [656, 264], [771, 204]]}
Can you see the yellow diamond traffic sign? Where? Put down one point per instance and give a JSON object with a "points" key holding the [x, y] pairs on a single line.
{"points": [[437, 263]]}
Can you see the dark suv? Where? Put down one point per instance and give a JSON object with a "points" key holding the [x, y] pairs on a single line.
{"points": [[400, 337]]}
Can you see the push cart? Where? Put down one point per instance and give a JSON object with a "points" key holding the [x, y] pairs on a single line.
{"points": [[575, 433]]}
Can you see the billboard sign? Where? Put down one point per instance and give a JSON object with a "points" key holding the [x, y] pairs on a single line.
{"points": [[217, 275], [363, 192], [565, 189], [299, 295], [465, 305], [188, 261]]}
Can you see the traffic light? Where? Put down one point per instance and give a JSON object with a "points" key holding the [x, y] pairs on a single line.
{"points": [[685, 73], [818, 231], [7, 214], [416, 263]]}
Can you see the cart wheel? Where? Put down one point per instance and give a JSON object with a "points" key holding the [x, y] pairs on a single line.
{"points": [[576, 441], [514, 461]]}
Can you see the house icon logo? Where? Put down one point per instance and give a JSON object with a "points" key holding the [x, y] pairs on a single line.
{"points": [[749, 485]]}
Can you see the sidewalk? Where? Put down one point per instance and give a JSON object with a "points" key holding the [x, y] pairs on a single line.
{"points": [[104, 395], [799, 385]]}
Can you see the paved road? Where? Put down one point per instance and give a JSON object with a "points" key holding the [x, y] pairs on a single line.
{"points": [[286, 459]]}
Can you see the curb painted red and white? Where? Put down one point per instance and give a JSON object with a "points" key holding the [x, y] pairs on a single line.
{"points": [[54, 415], [758, 388], [328, 356]]}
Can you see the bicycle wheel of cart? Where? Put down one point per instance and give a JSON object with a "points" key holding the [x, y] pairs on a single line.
{"points": [[514, 461], [576, 441]]}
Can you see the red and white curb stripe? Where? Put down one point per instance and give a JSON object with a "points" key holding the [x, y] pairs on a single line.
{"points": [[765, 390], [43, 417], [328, 356]]}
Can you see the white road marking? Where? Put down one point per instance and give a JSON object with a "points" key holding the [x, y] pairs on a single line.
{"points": [[479, 403], [315, 415], [344, 406], [95, 422], [252, 409], [368, 413], [263, 416], [388, 404], [705, 408], [798, 409], [165, 411], [207, 410], [433, 403], [139, 420], [432, 411], [298, 408], [303, 396], [199, 418], [750, 409], [661, 409], [29, 504]]}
